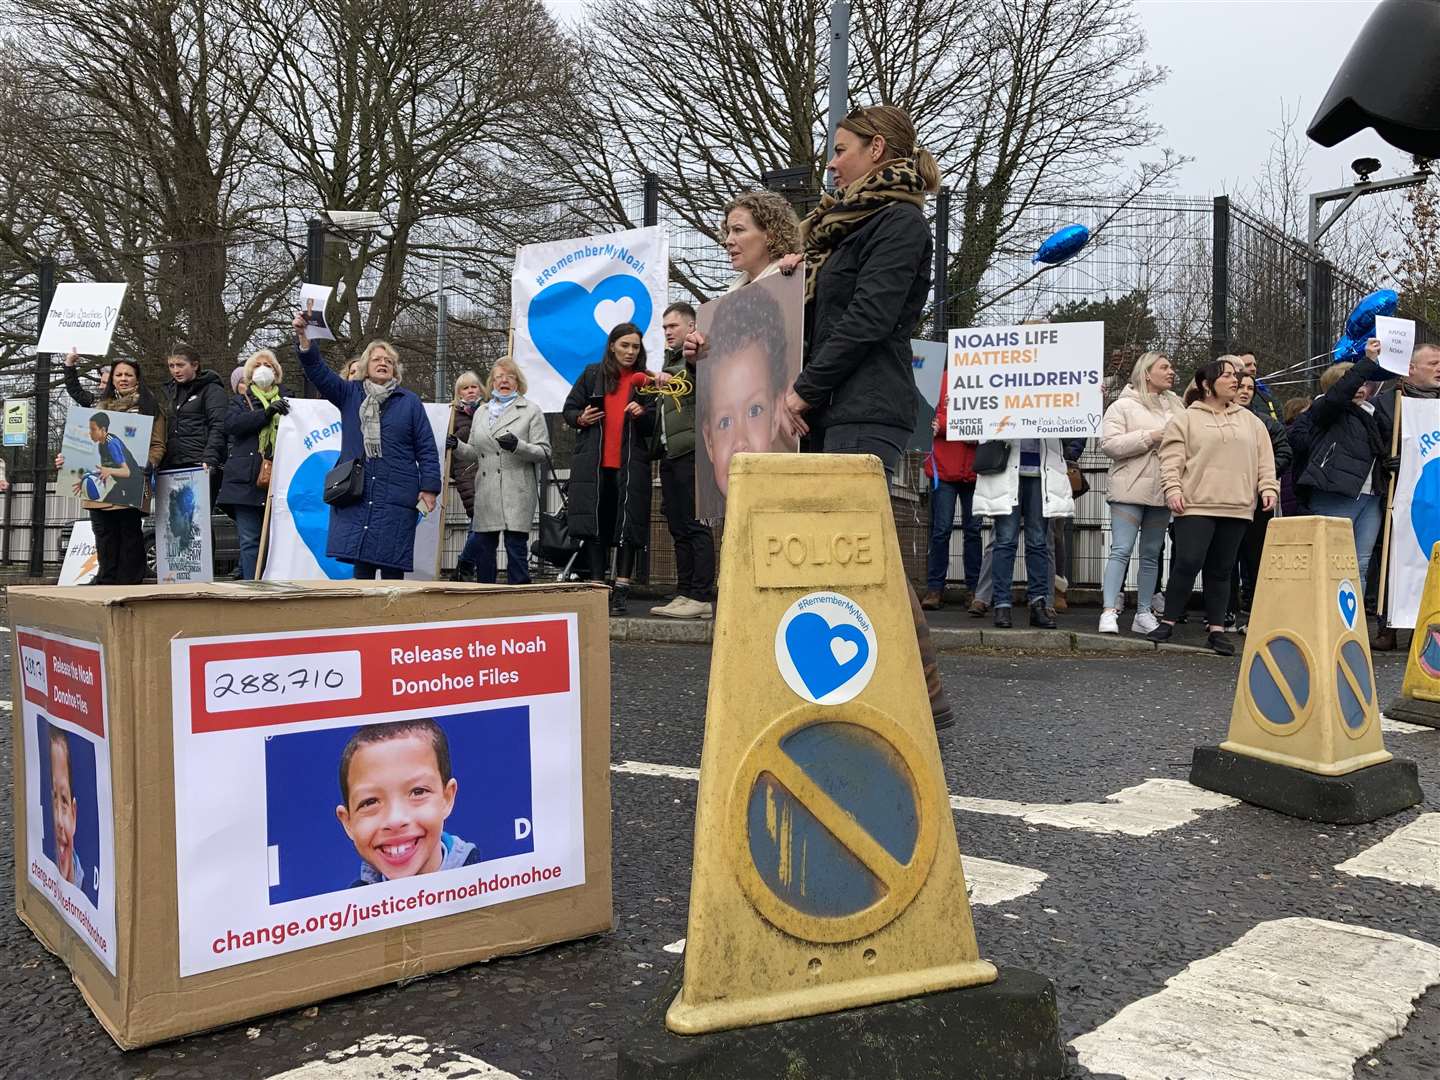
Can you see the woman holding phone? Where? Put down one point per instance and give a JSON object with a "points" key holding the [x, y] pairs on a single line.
{"points": [[609, 495]]}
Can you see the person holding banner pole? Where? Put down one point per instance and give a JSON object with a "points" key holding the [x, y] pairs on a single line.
{"points": [[1422, 381], [119, 532], [507, 439], [78, 394], [387, 444], [1215, 460], [250, 427]]}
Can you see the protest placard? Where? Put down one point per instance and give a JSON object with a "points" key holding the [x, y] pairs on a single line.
{"points": [[70, 820], [105, 456], [568, 295], [82, 562], [82, 317], [1025, 382], [1397, 342], [482, 718], [182, 526], [314, 300]]}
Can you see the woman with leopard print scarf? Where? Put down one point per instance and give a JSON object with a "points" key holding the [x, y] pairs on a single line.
{"points": [[868, 253]]}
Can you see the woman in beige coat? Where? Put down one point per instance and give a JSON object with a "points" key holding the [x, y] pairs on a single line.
{"points": [[1130, 437], [508, 440], [1215, 459]]}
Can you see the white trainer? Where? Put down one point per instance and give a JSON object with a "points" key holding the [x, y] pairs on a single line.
{"points": [[683, 607], [1143, 623], [667, 609], [1109, 622]]}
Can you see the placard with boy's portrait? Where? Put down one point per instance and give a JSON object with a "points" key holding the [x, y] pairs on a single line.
{"points": [[756, 346]]}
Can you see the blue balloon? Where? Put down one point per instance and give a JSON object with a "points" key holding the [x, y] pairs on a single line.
{"points": [[1062, 244], [1360, 326], [1348, 350]]}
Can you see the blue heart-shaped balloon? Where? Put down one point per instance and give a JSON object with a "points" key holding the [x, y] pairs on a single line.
{"points": [[563, 321], [1349, 605], [1360, 324], [306, 498], [809, 639]]}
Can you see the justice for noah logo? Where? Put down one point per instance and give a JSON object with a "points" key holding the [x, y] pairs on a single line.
{"points": [[825, 648]]}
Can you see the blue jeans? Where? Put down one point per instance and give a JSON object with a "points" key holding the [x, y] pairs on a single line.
{"points": [[1029, 509], [517, 558], [943, 494], [470, 553], [1127, 522], [248, 521], [1364, 514]]}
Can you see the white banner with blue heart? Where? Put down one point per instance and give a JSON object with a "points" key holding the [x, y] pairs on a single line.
{"points": [[1415, 513], [307, 446], [568, 295]]}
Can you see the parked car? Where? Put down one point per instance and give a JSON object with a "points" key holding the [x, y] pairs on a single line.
{"points": [[224, 541]]}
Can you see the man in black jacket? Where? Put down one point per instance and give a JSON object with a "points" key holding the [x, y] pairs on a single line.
{"points": [[197, 404]]}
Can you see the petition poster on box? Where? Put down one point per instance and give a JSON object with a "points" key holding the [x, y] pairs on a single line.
{"points": [[69, 818], [334, 783]]}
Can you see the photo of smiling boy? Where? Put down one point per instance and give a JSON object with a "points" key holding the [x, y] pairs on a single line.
{"points": [[397, 788], [754, 355], [65, 808]]}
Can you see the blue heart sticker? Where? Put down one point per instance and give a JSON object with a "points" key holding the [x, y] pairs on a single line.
{"points": [[1349, 603], [306, 498], [565, 317], [826, 657]]}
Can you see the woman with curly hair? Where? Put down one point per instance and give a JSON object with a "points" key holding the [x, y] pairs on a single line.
{"points": [[760, 230]]}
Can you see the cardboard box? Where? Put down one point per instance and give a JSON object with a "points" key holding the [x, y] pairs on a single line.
{"points": [[184, 844]]}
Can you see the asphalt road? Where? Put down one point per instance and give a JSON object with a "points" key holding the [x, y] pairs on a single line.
{"points": [[1116, 916]]}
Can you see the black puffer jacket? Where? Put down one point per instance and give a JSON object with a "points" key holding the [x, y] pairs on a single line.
{"points": [[1345, 446], [868, 300], [632, 521], [462, 473], [197, 421], [1279, 437]]}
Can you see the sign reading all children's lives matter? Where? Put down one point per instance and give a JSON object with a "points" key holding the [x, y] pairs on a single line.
{"points": [[1025, 382], [182, 526], [333, 783], [69, 811]]}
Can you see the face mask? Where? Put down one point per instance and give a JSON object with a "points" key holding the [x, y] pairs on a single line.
{"points": [[264, 378]]}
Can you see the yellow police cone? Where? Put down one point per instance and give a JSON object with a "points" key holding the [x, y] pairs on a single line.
{"points": [[826, 871], [1305, 726], [1419, 700]]}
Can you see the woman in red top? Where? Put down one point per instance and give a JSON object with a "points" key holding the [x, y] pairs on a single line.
{"points": [[609, 498], [951, 468]]}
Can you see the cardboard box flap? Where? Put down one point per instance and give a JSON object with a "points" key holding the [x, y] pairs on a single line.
{"points": [[117, 595]]}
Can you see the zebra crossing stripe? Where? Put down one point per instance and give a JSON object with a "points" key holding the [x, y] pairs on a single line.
{"points": [[395, 1057], [1410, 855], [1157, 805], [1293, 997]]}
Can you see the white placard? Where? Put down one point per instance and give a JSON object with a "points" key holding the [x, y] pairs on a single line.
{"points": [[302, 822], [182, 526], [307, 446], [314, 305], [568, 295], [1025, 382], [927, 365], [82, 562], [1397, 342], [82, 317], [69, 804]]}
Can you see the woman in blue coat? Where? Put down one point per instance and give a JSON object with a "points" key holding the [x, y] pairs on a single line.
{"points": [[384, 425]]}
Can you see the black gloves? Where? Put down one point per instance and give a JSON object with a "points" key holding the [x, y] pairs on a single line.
{"points": [[451, 442], [278, 407], [508, 442], [1392, 465]]}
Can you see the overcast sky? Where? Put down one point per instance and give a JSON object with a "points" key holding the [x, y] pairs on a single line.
{"points": [[1232, 65]]}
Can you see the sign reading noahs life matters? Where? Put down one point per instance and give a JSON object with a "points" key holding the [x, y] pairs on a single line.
{"points": [[1025, 382]]}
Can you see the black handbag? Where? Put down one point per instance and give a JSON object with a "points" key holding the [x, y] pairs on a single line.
{"points": [[345, 483], [992, 457]]}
